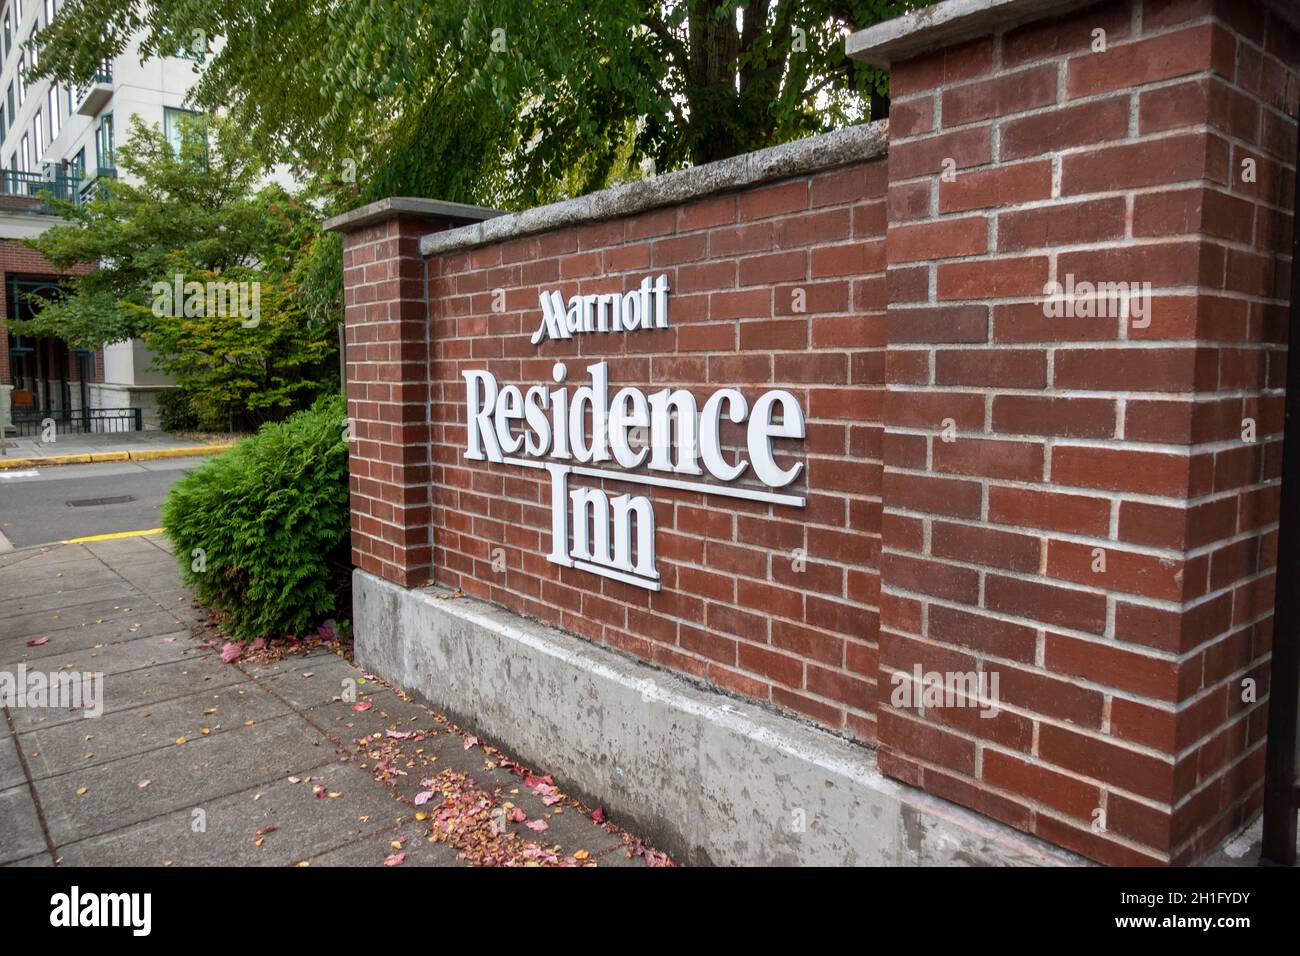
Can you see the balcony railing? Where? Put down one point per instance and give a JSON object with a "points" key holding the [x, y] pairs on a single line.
{"points": [[92, 185], [30, 192], [93, 96]]}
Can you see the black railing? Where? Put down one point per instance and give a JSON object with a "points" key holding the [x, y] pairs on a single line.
{"points": [[93, 186], [103, 75], [31, 423]]}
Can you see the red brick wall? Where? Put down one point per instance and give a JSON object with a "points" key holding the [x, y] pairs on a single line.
{"points": [[739, 608], [1124, 733], [1084, 508], [18, 258], [388, 389]]}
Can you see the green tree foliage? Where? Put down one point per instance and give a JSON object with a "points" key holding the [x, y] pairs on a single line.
{"points": [[196, 212], [498, 101], [238, 371], [261, 531]]}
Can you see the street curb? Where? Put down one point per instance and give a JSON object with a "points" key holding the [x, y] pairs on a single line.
{"points": [[145, 454]]}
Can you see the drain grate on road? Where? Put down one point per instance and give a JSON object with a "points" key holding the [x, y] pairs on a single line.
{"points": [[92, 502]]}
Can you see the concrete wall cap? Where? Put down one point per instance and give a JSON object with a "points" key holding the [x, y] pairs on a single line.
{"points": [[392, 206], [854, 144], [954, 21]]}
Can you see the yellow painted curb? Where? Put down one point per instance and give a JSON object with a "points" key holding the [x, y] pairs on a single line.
{"points": [[112, 537], [152, 454], [146, 454]]}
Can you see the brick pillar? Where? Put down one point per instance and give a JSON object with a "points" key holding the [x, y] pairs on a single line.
{"points": [[387, 345], [1087, 507]]}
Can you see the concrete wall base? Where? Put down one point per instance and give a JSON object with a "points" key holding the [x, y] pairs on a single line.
{"points": [[143, 397], [707, 778]]}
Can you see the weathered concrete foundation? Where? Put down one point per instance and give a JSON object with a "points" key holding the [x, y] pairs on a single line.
{"points": [[708, 778]]}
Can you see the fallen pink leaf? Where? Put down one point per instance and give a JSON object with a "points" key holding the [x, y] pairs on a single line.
{"points": [[537, 825], [362, 706], [470, 742], [517, 815], [397, 859], [144, 783], [599, 815], [230, 652], [399, 734], [38, 641], [423, 797]]}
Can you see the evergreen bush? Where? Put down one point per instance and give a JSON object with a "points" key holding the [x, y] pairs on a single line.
{"points": [[262, 531]]}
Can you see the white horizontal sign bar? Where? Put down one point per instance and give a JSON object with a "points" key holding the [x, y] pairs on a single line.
{"points": [[648, 583]]}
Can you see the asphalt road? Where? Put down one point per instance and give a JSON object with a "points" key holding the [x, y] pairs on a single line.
{"points": [[41, 506]]}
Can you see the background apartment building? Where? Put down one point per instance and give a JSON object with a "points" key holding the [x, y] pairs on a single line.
{"points": [[60, 137]]}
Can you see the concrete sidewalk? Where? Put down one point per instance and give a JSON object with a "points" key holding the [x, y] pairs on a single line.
{"points": [[198, 762], [113, 446]]}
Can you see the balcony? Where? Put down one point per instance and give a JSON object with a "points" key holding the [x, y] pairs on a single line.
{"points": [[94, 96], [31, 192]]}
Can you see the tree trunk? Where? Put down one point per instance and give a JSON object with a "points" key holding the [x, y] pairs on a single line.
{"points": [[711, 81]]}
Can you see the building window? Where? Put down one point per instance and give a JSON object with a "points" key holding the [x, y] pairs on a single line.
{"points": [[173, 128], [104, 142], [9, 34], [38, 134], [52, 102], [25, 154], [36, 52], [11, 101], [49, 12], [79, 163], [22, 86]]}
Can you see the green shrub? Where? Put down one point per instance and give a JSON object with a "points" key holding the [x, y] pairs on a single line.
{"points": [[174, 411], [261, 532]]}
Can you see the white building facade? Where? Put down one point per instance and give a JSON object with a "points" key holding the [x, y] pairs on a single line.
{"points": [[62, 137]]}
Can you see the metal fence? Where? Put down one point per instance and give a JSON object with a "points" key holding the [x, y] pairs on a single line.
{"points": [[31, 424]]}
